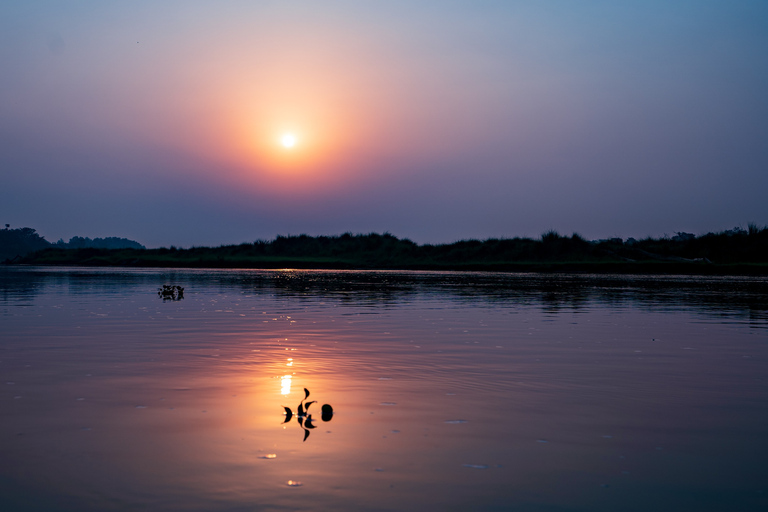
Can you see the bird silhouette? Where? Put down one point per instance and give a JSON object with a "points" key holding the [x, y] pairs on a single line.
{"points": [[303, 417]]}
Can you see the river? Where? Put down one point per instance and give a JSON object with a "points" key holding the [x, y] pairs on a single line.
{"points": [[448, 391]]}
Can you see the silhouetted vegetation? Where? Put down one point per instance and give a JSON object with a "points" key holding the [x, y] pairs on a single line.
{"points": [[733, 251], [17, 243], [111, 242]]}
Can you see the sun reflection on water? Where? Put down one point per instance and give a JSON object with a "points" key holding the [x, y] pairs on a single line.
{"points": [[285, 385]]}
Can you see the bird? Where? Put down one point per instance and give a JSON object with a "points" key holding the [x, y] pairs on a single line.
{"points": [[302, 414], [302, 409]]}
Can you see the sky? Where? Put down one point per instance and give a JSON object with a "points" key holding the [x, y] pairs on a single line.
{"points": [[433, 120]]}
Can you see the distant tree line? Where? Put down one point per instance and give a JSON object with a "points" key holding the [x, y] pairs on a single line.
{"points": [[15, 243], [111, 242], [19, 242], [683, 252]]}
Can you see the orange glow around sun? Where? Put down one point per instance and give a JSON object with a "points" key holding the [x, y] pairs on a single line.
{"points": [[303, 128], [294, 146]]}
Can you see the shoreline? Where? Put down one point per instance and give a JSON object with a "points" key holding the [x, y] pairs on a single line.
{"points": [[727, 253]]}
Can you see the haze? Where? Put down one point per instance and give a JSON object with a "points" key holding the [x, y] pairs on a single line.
{"points": [[433, 120]]}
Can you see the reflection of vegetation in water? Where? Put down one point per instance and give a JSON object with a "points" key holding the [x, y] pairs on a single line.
{"points": [[683, 253], [738, 297], [304, 417], [732, 296]]}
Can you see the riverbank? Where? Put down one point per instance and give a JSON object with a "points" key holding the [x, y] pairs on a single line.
{"points": [[729, 253]]}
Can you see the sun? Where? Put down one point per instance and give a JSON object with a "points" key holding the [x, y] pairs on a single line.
{"points": [[288, 140]]}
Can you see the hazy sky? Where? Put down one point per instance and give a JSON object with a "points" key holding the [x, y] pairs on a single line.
{"points": [[161, 121]]}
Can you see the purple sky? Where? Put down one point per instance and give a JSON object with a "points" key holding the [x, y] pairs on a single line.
{"points": [[433, 120]]}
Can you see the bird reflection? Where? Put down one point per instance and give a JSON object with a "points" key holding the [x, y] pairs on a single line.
{"points": [[303, 418]]}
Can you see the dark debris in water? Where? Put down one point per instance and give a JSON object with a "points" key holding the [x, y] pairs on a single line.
{"points": [[170, 292]]}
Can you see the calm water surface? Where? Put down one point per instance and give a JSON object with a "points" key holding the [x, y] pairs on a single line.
{"points": [[450, 391]]}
